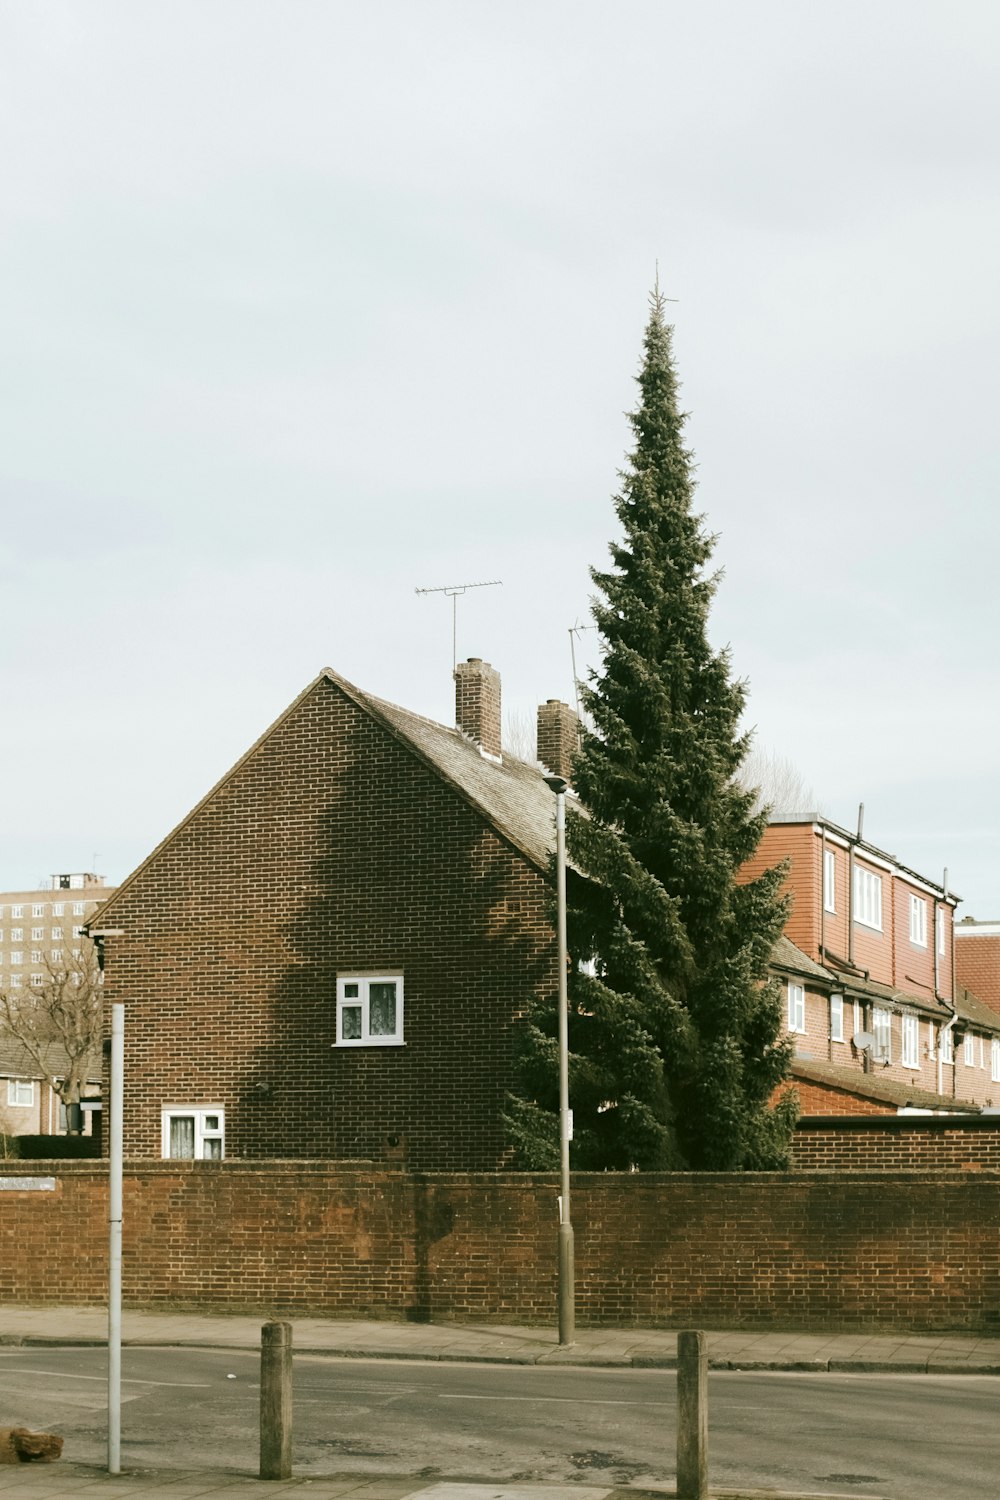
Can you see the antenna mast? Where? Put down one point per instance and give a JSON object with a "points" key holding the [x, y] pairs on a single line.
{"points": [[452, 591]]}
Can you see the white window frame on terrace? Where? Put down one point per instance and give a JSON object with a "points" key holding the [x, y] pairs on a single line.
{"points": [[796, 1008], [910, 1053], [995, 1059], [21, 1093], [882, 1032], [982, 1052], [867, 898], [969, 1050], [918, 921], [836, 1018], [829, 880], [354, 1011], [931, 1040], [939, 923], [859, 1018], [947, 1045], [207, 1132]]}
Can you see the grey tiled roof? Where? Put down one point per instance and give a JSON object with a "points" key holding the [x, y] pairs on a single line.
{"points": [[872, 1086], [970, 1008], [15, 1062], [785, 955]]}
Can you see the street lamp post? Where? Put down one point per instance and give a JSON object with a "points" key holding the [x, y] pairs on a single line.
{"points": [[566, 1295]]}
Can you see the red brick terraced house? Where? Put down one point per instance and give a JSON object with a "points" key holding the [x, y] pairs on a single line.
{"points": [[868, 968], [329, 956]]}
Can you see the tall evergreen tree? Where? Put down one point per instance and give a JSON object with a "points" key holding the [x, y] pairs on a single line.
{"points": [[676, 1036]]}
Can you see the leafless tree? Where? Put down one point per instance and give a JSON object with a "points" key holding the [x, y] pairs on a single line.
{"points": [[778, 783], [519, 736], [58, 1022]]}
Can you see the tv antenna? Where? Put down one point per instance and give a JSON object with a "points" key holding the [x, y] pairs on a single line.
{"points": [[574, 631], [452, 591]]}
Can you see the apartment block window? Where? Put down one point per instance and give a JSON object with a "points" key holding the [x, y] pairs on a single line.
{"points": [[57, 908], [56, 934], [836, 1018], [882, 1032], [36, 956], [918, 921], [17, 911], [78, 908], [16, 956], [38, 911], [55, 955], [17, 934], [911, 1042], [20, 1092], [15, 981], [939, 923], [369, 1010], [829, 880], [867, 897], [78, 932], [796, 1008], [38, 934], [193, 1134], [37, 980], [947, 1044], [969, 1050], [995, 1059]]}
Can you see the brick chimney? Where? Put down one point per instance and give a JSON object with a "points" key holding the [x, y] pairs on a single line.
{"points": [[558, 737], [477, 705]]}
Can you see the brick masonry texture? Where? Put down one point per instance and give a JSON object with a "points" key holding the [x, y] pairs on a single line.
{"points": [[898, 1143], [915, 1250], [330, 849]]}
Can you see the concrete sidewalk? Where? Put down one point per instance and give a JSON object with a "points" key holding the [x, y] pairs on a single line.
{"points": [[910, 1354]]}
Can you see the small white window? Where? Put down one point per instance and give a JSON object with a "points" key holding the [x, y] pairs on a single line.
{"points": [[867, 897], [829, 880], [17, 911], [982, 1052], [16, 956], [56, 934], [17, 934], [78, 932], [859, 1018], [38, 910], [882, 1032], [57, 908], [55, 954], [931, 1039], [78, 908], [918, 921], [939, 923], [911, 1042], [369, 1010], [15, 981], [969, 1050], [948, 1044], [193, 1134], [836, 1018], [38, 934], [796, 1008], [20, 1092], [995, 1059], [37, 980], [1, 934], [36, 956]]}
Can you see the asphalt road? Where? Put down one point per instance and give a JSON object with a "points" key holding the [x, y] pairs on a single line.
{"points": [[922, 1437]]}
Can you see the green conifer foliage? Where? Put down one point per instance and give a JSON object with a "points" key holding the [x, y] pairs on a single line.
{"points": [[676, 1039]]}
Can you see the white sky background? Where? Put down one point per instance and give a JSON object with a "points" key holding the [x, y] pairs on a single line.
{"points": [[304, 305]]}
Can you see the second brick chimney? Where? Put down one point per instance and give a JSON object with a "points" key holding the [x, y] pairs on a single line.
{"points": [[477, 704], [558, 737]]}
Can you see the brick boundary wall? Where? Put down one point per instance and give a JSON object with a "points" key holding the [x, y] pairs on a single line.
{"points": [[868, 1250], [897, 1143]]}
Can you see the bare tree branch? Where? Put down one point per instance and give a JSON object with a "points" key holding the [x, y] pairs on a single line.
{"points": [[59, 1022]]}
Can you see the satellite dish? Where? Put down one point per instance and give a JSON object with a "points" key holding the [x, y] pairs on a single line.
{"points": [[863, 1041]]}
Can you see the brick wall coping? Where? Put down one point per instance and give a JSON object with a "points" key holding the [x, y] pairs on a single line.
{"points": [[901, 1124]]}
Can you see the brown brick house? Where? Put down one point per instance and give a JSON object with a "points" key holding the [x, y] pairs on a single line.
{"points": [[329, 955]]}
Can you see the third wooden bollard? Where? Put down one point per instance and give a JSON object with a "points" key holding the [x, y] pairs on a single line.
{"points": [[276, 1401], [692, 1416]]}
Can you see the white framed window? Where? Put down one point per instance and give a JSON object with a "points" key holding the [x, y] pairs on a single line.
{"points": [[38, 910], [995, 1059], [78, 932], [918, 921], [829, 880], [969, 1050], [38, 934], [940, 928], [882, 1032], [1, 934], [17, 934], [56, 934], [17, 911], [369, 1010], [836, 1018], [796, 1007], [931, 1039], [867, 897], [78, 908], [982, 1052], [36, 956], [16, 956], [193, 1134], [55, 954], [859, 1018], [20, 1092], [911, 1042], [37, 980], [15, 981], [57, 908], [948, 1044]]}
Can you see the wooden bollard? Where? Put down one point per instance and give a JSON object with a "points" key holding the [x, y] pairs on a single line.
{"points": [[276, 1401], [692, 1416]]}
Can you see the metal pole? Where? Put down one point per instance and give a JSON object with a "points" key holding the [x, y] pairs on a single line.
{"points": [[566, 1295], [115, 1238]]}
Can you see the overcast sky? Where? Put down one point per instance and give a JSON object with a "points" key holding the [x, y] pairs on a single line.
{"points": [[307, 305]]}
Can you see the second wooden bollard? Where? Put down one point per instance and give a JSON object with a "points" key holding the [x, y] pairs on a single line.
{"points": [[692, 1416], [276, 1401]]}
